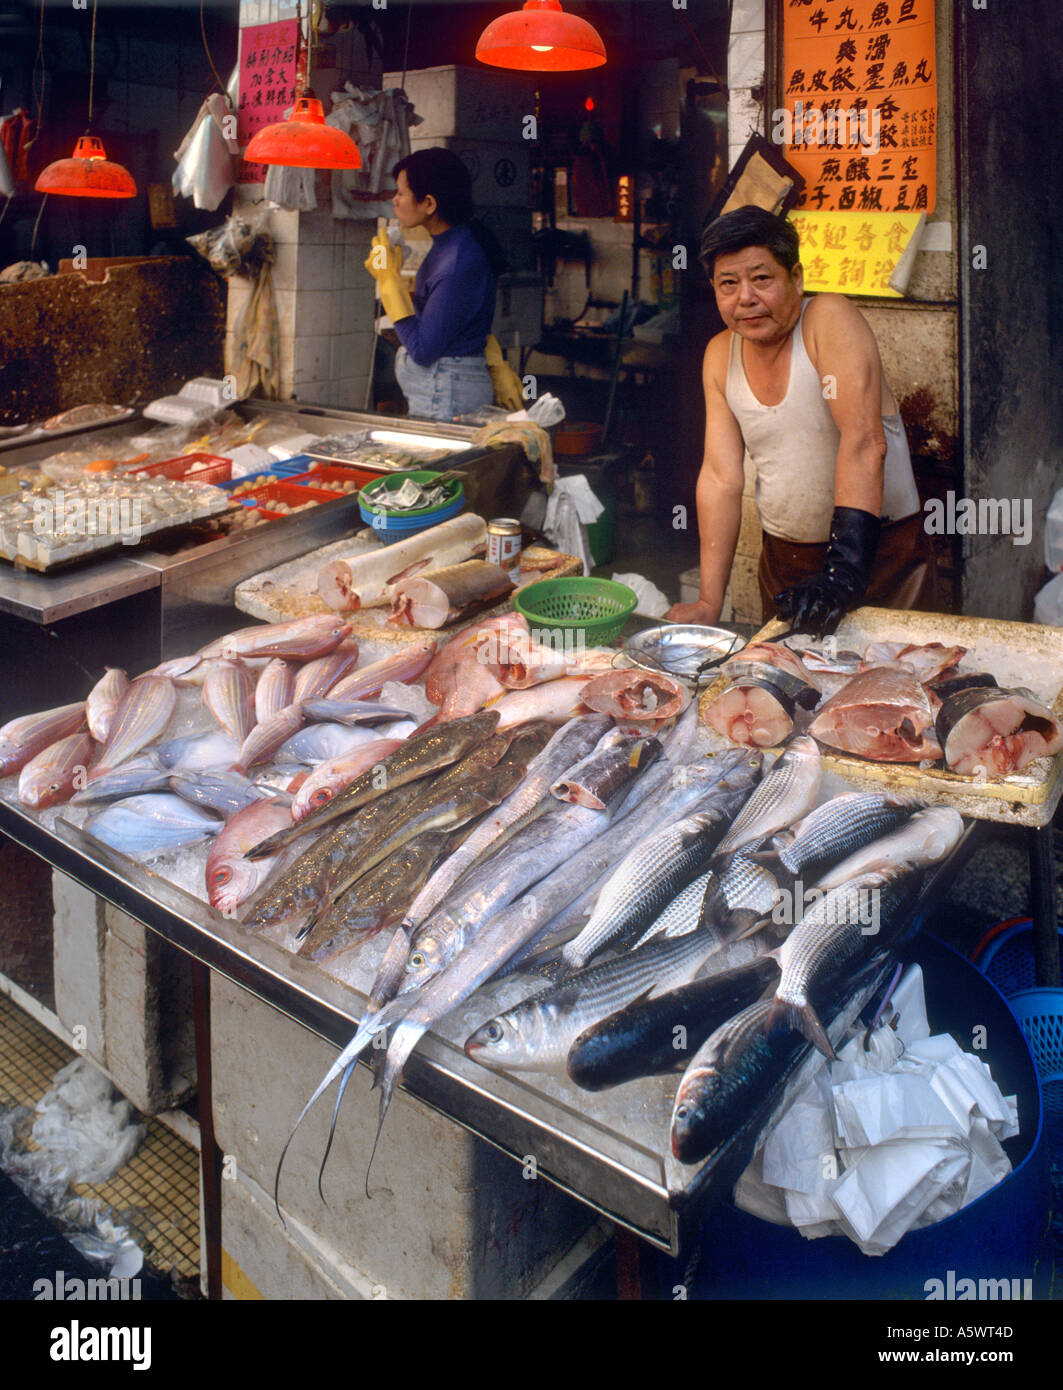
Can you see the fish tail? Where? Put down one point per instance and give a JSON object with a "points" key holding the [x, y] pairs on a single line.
{"points": [[405, 1039], [332, 1127], [803, 1018]]}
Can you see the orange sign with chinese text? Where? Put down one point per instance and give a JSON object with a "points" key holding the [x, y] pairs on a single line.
{"points": [[859, 116]]}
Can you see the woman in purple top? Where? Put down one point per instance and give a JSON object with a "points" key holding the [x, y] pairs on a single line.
{"points": [[444, 326]]}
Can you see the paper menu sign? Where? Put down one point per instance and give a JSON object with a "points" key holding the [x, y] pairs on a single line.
{"points": [[859, 94], [267, 84]]}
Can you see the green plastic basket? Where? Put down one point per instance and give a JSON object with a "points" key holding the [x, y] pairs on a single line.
{"points": [[597, 608]]}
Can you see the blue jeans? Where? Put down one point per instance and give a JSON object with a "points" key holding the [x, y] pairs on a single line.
{"points": [[451, 386]]}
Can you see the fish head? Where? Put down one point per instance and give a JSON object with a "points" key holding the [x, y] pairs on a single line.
{"points": [[690, 1132], [497, 1043], [426, 959], [231, 882], [312, 794], [47, 786]]}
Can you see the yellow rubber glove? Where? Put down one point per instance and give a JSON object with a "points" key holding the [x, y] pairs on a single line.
{"points": [[384, 264], [504, 379]]}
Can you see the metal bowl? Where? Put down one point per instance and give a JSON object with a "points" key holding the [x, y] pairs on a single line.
{"points": [[687, 651]]}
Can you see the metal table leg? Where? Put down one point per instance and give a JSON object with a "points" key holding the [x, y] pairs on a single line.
{"points": [[1043, 907]]}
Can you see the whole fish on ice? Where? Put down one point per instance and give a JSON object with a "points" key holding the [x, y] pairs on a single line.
{"points": [[23, 738], [146, 826], [102, 704]]}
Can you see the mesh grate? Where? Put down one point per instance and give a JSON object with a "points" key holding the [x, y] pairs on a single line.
{"points": [[156, 1194]]}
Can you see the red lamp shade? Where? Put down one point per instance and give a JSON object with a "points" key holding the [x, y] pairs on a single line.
{"points": [[541, 38], [304, 140], [88, 173]]}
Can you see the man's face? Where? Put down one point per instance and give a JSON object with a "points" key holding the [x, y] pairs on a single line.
{"points": [[758, 298]]}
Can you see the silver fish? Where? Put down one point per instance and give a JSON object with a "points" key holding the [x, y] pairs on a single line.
{"points": [[567, 746], [229, 694], [924, 839], [838, 828], [223, 792], [146, 826], [788, 792], [140, 775], [102, 704], [538, 1034], [656, 872], [681, 915], [142, 715], [739, 899], [275, 689], [350, 711], [841, 927], [318, 743], [197, 752], [23, 738]]}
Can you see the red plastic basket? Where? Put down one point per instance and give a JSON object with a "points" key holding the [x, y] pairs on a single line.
{"points": [[217, 470], [335, 473], [292, 493]]}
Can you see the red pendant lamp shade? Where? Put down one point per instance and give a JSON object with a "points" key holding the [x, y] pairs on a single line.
{"points": [[88, 173], [541, 38], [304, 140]]}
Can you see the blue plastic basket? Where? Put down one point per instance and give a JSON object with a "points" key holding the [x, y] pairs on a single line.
{"points": [[390, 527], [1008, 959], [1040, 1015]]}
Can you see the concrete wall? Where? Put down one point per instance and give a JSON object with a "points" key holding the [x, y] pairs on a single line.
{"points": [[1010, 60], [138, 334]]}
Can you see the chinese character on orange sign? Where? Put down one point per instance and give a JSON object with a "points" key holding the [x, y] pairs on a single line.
{"points": [[859, 102]]}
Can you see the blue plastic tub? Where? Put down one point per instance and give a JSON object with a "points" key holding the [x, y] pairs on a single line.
{"points": [[996, 1237]]}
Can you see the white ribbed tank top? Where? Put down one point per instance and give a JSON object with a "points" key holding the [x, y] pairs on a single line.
{"points": [[794, 446]]}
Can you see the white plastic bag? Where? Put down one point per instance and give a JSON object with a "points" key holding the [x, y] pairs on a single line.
{"points": [[1048, 603], [1054, 535]]}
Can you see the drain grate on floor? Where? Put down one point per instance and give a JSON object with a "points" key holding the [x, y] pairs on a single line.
{"points": [[156, 1194]]}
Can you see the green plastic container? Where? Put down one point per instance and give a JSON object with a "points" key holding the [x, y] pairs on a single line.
{"points": [[593, 611]]}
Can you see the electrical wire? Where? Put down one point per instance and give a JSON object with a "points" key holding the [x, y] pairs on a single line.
{"points": [[406, 47], [92, 60], [38, 99], [37, 223], [206, 49]]}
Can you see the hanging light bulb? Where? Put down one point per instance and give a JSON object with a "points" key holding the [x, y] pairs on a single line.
{"points": [[541, 37], [88, 173], [305, 140]]}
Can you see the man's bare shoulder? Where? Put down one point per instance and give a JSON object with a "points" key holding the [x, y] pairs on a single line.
{"points": [[830, 310], [717, 358]]}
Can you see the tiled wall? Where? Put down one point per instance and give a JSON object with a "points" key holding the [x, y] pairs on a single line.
{"points": [[325, 301]]}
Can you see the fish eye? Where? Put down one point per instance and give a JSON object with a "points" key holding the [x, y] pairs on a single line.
{"points": [[321, 797], [682, 1112], [493, 1031], [222, 875], [418, 960]]}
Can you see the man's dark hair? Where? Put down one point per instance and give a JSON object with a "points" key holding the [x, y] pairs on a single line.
{"points": [[441, 173], [750, 226]]}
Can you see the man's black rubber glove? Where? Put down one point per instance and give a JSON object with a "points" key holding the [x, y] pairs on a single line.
{"points": [[816, 604]]}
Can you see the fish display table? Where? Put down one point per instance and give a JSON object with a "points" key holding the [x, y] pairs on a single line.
{"points": [[609, 1150]]}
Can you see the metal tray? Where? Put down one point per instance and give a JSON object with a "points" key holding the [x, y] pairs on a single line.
{"points": [[1026, 654]]}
